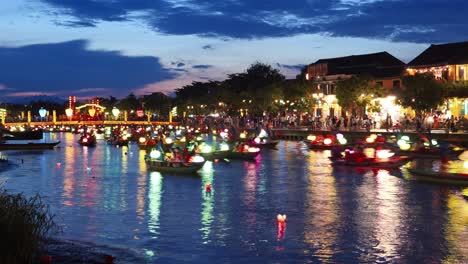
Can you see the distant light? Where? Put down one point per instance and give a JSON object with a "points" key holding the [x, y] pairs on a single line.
{"points": [[405, 138], [206, 149], [197, 159], [242, 135], [311, 137], [224, 147], [169, 140], [42, 112], [434, 142], [327, 141], [155, 154], [257, 140], [115, 112], [253, 149]]}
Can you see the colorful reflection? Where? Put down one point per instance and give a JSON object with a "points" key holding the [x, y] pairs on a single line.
{"points": [[321, 223], [456, 230], [208, 198], [389, 228], [141, 185], [154, 202]]}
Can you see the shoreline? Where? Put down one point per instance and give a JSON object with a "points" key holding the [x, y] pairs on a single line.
{"points": [[68, 251]]}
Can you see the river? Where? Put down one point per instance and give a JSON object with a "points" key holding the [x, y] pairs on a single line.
{"points": [[106, 195]]}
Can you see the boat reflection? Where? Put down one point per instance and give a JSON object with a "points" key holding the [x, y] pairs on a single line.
{"points": [[154, 202], [322, 224], [207, 198]]}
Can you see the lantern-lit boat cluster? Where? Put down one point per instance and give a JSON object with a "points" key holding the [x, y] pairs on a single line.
{"points": [[184, 149]]}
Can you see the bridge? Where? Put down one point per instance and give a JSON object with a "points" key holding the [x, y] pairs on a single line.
{"points": [[89, 123]]}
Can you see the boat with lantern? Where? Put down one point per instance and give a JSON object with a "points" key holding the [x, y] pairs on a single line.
{"points": [[88, 140], [208, 152], [440, 176], [244, 152], [424, 148], [320, 142], [155, 162], [263, 143], [146, 143]]}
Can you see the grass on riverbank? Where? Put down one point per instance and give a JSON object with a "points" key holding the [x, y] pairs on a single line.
{"points": [[25, 224]]}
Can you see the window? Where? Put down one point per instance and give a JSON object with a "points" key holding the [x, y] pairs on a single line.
{"points": [[396, 84], [461, 73], [445, 74], [380, 84]]}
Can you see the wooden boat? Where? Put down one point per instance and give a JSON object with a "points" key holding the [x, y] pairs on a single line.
{"points": [[242, 155], [22, 135], [320, 146], [28, 146], [440, 176], [215, 155], [174, 167], [120, 142], [433, 153], [391, 162], [264, 144], [87, 140]]}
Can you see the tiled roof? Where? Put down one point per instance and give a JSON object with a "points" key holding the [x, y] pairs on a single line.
{"points": [[445, 54]]}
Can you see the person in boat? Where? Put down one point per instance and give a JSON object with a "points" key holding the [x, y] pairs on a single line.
{"points": [[336, 152], [357, 154], [444, 148]]}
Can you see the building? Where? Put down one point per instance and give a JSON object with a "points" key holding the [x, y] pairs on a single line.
{"points": [[382, 68], [448, 63]]}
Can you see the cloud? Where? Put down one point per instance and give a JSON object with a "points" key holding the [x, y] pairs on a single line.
{"points": [[396, 20], [30, 94], [291, 67], [69, 67], [202, 66], [207, 47]]}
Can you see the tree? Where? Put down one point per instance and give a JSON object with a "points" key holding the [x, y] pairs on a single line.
{"points": [[421, 92], [357, 92], [157, 103], [129, 103]]}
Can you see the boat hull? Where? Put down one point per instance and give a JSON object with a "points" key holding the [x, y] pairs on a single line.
{"points": [[384, 164], [28, 146], [441, 177], [215, 155], [174, 167], [242, 155], [270, 144]]}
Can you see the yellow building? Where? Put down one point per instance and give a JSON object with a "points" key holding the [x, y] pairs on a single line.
{"points": [[448, 63]]}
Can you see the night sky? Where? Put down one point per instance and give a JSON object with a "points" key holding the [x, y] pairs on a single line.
{"points": [[113, 47]]}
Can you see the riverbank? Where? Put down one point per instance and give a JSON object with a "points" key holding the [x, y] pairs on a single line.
{"points": [[63, 251]]}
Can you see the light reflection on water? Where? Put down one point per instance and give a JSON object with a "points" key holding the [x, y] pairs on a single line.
{"points": [[333, 215]]}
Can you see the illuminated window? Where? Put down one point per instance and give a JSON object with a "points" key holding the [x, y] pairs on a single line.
{"points": [[461, 73]]}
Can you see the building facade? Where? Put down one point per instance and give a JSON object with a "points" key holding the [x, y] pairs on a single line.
{"points": [[448, 63], [382, 68]]}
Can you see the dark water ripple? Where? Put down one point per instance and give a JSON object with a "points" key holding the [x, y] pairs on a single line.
{"points": [[333, 215]]}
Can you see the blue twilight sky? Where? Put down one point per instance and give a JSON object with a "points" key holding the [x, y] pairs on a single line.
{"points": [[114, 47]]}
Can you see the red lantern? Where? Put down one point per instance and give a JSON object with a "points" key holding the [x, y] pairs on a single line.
{"points": [[140, 113]]}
